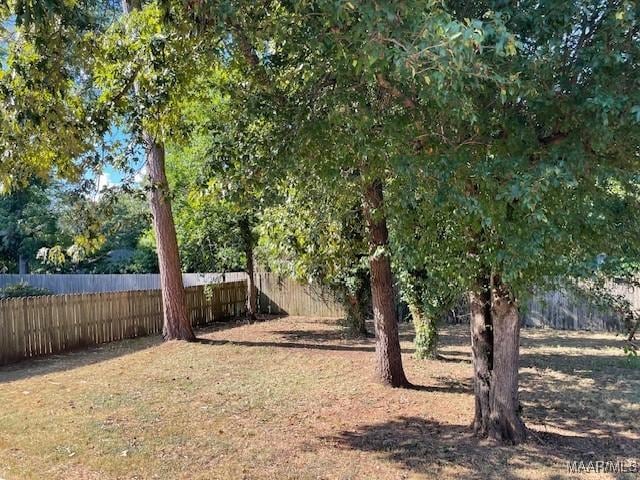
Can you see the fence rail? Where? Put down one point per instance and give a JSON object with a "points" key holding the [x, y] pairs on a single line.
{"points": [[36, 326], [59, 283]]}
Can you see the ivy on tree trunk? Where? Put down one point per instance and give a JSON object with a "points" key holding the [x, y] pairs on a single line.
{"points": [[426, 339]]}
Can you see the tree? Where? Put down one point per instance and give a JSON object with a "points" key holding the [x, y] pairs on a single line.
{"points": [[371, 74], [227, 159], [429, 255], [320, 241], [27, 223], [177, 325], [44, 122], [539, 185], [82, 89]]}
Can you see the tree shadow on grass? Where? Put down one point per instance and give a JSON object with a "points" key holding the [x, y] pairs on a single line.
{"points": [[319, 336], [295, 345], [431, 448], [454, 357], [77, 358], [444, 385], [570, 339]]}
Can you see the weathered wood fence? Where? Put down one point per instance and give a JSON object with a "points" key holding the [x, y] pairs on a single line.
{"points": [[570, 311], [559, 310], [277, 295], [60, 283], [36, 326]]}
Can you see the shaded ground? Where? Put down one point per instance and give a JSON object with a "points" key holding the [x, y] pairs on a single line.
{"points": [[292, 399]]}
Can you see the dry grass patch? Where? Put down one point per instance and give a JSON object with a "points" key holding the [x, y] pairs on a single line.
{"points": [[292, 399]]}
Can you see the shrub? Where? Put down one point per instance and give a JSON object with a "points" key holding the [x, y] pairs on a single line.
{"points": [[22, 289]]}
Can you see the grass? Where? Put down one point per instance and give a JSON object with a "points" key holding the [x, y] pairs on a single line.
{"points": [[291, 399]]}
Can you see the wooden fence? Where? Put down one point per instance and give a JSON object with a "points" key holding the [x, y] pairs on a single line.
{"points": [[556, 310], [277, 295], [570, 311], [59, 283], [37, 326]]}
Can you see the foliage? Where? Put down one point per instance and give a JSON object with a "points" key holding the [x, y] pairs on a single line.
{"points": [[504, 146], [27, 223], [321, 242], [47, 120], [426, 338], [107, 233], [207, 227], [22, 289]]}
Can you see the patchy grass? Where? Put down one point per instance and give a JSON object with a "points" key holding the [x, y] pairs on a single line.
{"points": [[291, 399]]}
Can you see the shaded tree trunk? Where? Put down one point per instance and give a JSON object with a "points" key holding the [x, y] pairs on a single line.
{"points": [[482, 354], [23, 265], [177, 325], [355, 313], [388, 353], [252, 299], [505, 423], [495, 346]]}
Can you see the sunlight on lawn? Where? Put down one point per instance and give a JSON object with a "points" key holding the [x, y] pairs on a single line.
{"points": [[291, 398]]}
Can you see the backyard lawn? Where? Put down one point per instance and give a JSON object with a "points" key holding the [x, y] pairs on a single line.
{"points": [[290, 398]]}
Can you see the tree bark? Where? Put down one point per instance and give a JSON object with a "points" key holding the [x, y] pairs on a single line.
{"points": [[482, 353], [495, 345], [177, 325], [23, 265], [388, 353], [505, 423], [252, 301], [356, 319]]}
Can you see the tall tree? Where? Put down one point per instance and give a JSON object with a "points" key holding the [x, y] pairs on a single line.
{"points": [[573, 121], [541, 179], [371, 74], [177, 324]]}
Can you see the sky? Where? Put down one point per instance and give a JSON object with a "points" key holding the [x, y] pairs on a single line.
{"points": [[112, 176]]}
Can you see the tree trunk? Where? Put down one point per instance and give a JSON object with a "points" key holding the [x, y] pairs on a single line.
{"points": [[505, 423], [177, 325], [482, 353], [495, 343], [247, 236], [426, 339], [388, 353], [23, 265], [356, 319]]}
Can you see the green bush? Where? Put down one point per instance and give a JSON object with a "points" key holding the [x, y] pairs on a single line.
{"points": [[22, 289]]}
